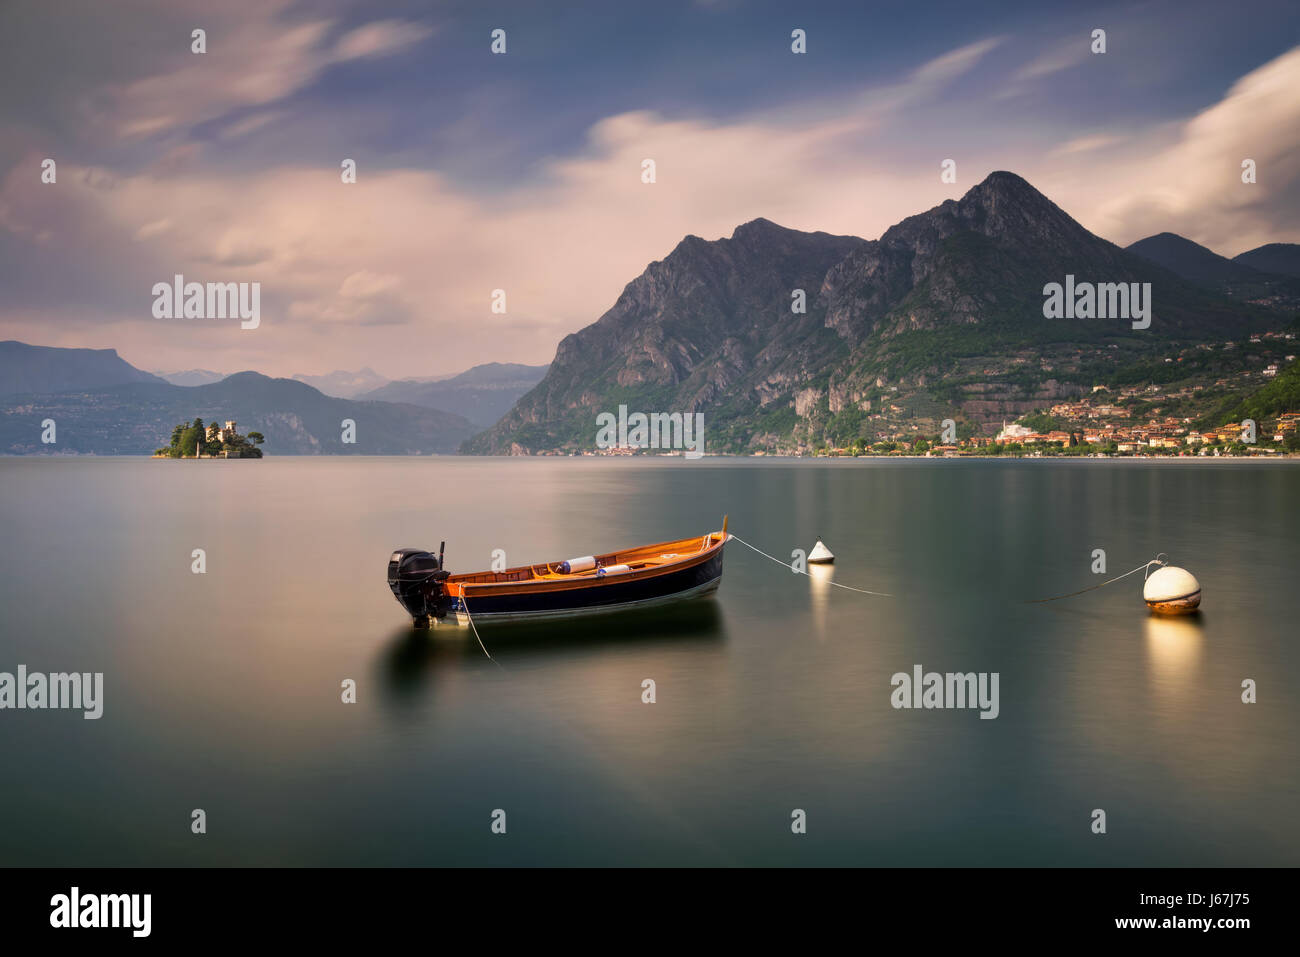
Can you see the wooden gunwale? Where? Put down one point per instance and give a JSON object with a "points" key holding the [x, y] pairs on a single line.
{"points": [[540, 578]]}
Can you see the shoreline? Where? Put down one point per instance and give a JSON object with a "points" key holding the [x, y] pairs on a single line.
{"points": [[1202, 459]]}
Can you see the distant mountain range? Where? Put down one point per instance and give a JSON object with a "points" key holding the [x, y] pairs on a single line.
{"points": [[345, 385], [192, 377], [102, 405], [25, 368], [1236, 278], [482, 394], [941, 317], [1282, 258]]}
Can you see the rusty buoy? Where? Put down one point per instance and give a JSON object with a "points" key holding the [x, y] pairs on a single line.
{"points": [[1172, 591]]}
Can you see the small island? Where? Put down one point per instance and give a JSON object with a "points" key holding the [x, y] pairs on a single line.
{"points": [[194, 440]]}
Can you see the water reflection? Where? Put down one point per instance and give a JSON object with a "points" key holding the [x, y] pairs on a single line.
{"points": [[693, 620], [821, 577], [1174, 647], [412, 659], [409, 657]]}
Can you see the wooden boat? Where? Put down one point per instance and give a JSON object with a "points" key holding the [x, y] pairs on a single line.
{"points": [[633, 578]]}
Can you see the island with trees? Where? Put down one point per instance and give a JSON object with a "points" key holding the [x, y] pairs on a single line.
{"points": [[196, 440]]}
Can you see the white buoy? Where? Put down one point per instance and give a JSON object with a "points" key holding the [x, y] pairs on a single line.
{"points": [[1172, 591], [820, 555]]}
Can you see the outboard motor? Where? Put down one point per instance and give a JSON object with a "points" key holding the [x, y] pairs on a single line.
{"points": [[415, 578]]}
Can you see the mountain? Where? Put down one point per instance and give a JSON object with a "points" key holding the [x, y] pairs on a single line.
{"points": [[138, 417], [25, 368], [192, 377], [943, 316], [345, 385], [1281, 258], [683, 335], [482, 394], [1193, 261], [1233, 277]]}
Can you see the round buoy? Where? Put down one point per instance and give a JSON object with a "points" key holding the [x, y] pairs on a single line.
{"points": [[820, 555], [1172, 591]]}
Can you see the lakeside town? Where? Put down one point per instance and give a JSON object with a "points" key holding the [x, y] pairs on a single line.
{"points": [[1148, 419], [1088, 432], [1083, 428]]}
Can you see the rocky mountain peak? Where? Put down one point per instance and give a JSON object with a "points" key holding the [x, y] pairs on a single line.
{"points": [[763, 327]]}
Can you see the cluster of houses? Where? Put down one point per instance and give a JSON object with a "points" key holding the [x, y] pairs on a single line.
{"points": [[1165, 434]]}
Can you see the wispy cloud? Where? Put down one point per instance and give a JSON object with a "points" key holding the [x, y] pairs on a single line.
{"points": [[1087, 144], [1067, 53], [926, 81], [157, 227], [255, 56], [1194, 185]]}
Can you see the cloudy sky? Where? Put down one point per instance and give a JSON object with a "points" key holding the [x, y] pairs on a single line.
{"points": [[522, 171]]}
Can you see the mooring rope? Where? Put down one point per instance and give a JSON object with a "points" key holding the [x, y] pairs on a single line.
{"points": [[862, 591], [465, 605], [1161, 559]]}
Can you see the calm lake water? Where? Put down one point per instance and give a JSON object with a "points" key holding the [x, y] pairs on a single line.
{"points": [[222, 690]]}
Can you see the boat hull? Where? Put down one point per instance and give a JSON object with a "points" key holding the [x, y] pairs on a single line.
{"points": [[638, 592]]}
